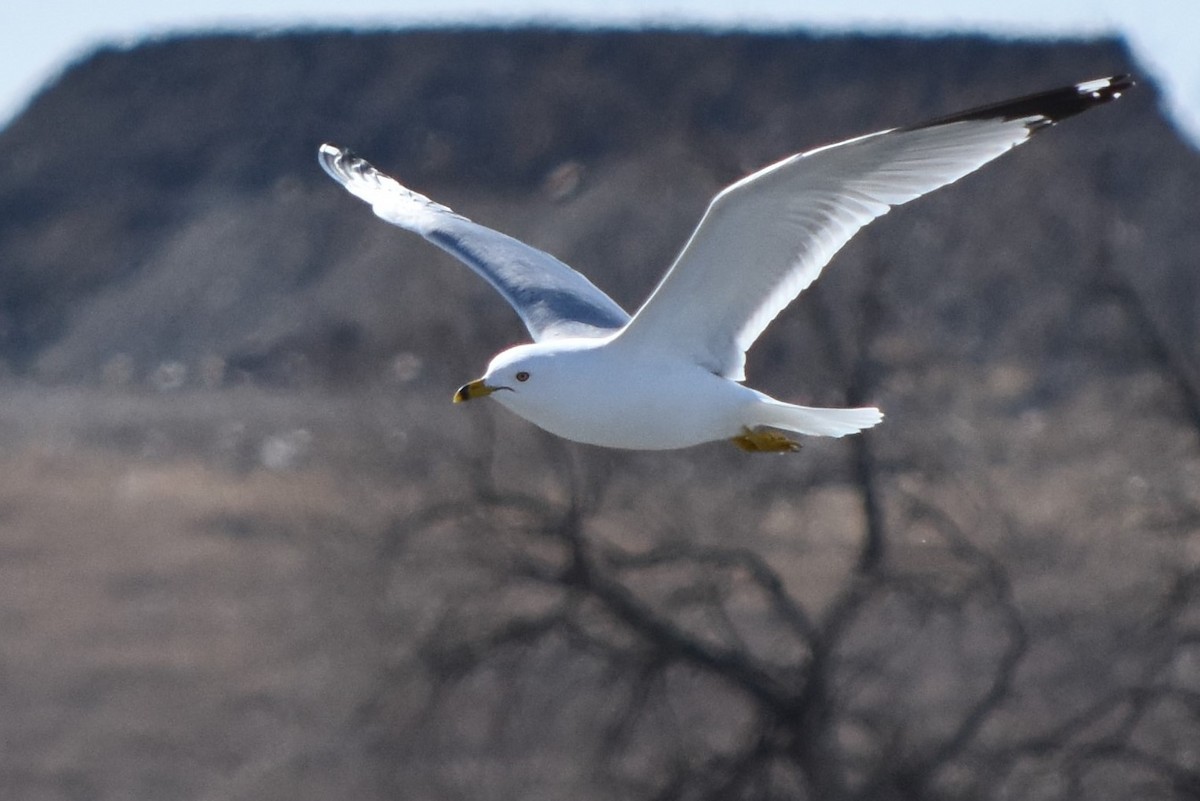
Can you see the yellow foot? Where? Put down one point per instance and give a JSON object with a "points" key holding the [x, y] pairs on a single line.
{"points": [[764, 440]]}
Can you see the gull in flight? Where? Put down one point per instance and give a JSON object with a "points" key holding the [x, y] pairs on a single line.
{"points": [[670, 376]]}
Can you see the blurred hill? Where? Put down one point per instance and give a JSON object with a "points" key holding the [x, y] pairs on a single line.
{"points": [[161, 204], [249, 551]]}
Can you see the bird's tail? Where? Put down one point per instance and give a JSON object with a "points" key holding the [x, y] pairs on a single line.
{"points": [[814, 422]]}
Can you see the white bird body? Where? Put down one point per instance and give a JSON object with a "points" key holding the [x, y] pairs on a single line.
{"points": [[569, 393], [668, 377], [664, 402]]}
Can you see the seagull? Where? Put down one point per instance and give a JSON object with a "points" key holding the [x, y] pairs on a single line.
{"points": [[670, 376]]}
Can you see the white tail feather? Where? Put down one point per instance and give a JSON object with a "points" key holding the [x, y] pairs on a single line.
{"points": [[815, 422]]}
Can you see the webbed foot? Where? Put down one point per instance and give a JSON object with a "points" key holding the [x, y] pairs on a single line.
{"points": [[764, 440]]}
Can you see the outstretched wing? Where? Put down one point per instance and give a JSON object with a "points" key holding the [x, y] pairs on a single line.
{"points": [[552, 299], [767, 237]]}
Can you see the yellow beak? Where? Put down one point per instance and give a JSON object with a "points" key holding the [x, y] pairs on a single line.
{"points": [[476, 389]]}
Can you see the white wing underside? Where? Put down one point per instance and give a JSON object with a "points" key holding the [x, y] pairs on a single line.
{"points": [[764, 239], [551, 299]]}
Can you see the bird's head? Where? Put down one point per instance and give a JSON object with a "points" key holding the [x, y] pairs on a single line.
{"points": [[517, 376]]}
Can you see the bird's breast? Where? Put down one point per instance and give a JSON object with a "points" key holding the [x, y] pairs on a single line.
{"points": [[642, 404]]}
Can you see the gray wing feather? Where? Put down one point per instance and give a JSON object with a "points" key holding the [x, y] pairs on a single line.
{"points": [[552, 299]]}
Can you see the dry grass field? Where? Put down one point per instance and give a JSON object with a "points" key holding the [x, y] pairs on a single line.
{"points": [[244, 594]]}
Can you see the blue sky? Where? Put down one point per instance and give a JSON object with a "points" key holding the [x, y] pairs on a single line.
{"points": [[39, 39]]}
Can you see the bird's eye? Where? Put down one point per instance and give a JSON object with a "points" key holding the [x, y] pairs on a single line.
{"points": [[522, 376]]}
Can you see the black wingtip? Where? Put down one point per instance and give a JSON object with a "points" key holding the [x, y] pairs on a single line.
{"points": [[341, 163], [329, 157], [1044, 108]]}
